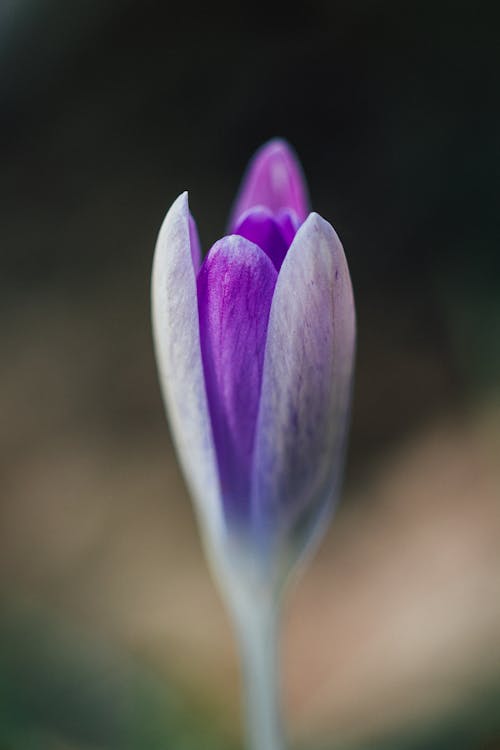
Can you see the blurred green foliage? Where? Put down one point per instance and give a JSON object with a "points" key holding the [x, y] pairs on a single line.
{"points": [[59, 691]]}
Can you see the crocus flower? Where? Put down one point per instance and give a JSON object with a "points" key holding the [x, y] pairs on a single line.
{"points": [[255, 348]]}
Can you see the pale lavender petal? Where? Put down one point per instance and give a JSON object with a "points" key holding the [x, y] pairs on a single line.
{"points": [[306, 386], [195, 244], [274, 179], [259, 226], [235, 289], [177, 344]]}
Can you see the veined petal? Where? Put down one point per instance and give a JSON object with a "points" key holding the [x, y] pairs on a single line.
{"points": [[235, 289], [177, 344], [274, 179], [306, 385]]}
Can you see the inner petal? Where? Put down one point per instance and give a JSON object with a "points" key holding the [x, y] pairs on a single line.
{"points": [[235, 288], [273, 179], [272, 233], [289, 223]]}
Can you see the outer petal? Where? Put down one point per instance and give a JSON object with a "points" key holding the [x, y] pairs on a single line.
{"points": [[306, 385], [178, 354], [274, 179], [235, 289]]}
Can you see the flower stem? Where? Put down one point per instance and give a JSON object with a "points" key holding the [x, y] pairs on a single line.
{"points": [[258, 627]]}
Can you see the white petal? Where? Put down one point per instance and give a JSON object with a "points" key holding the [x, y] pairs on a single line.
{"points": [[177, 345], [306, 386]]}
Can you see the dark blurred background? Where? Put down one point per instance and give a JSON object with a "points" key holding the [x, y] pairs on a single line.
{"points": [[111, 632]]}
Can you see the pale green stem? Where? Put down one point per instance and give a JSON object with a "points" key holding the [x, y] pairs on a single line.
{"points": [[258, 626]]}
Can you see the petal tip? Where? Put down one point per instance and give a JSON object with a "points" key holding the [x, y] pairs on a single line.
{"points": [[240, 250], [318, 224], [170, 237], [277, 147], [274, 179], [182, 201], [179, 208]]}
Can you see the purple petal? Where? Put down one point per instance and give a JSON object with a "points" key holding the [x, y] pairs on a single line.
{"points": [[178, 354], [289, 223], [235, 289], [274, 179], [306, 385], [259, 226]]}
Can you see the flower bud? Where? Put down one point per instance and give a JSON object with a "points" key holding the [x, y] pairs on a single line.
{"points": [[255, 350]]}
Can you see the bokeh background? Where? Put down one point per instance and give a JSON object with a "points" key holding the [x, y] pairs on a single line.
{"points": [[112, 634]]}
